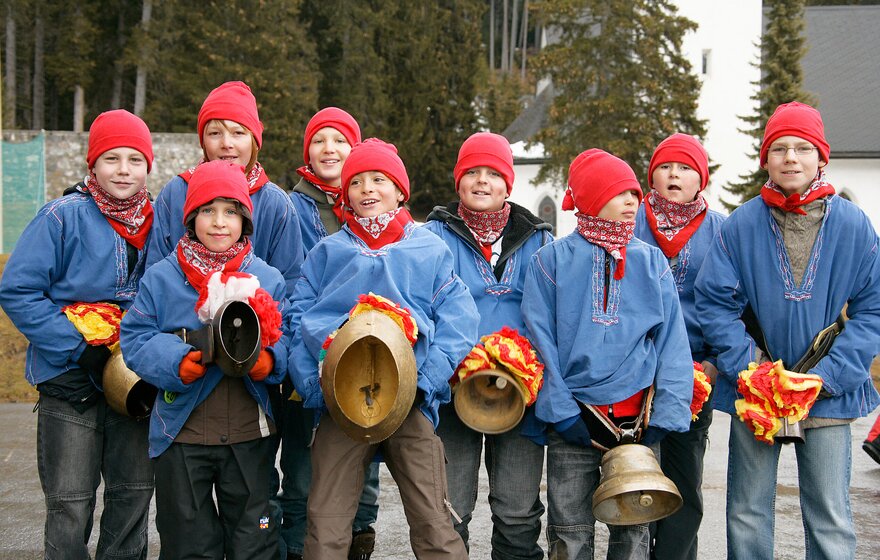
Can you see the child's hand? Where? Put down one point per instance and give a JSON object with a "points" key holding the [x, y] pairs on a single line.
{"points": [[263, 367], [190, 369], [574, 431]]}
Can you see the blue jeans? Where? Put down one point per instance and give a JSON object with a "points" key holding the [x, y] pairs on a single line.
{"points": [[74, 451], [296, 466], [515, 466], [824, 466], [572, 479]]}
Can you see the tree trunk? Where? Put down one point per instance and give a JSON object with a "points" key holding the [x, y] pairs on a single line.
{"points": [[513, 35], [38, 120], [525, 38], [79, 108], [140, 88], [118, 67], [492, 35], [505, 45], [9, 101]]}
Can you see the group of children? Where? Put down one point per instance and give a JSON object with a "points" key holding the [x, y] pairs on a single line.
{"points": [[610, 310]]}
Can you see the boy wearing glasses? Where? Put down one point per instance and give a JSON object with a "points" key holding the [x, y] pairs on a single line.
{"points": [[796, 255]]}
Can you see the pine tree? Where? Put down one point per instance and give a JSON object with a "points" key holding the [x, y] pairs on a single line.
{"points": [[203, 44], [782, 47], [622, 82]]}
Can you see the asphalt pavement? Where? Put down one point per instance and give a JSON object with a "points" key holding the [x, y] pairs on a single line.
{"points": [[22, 510]]}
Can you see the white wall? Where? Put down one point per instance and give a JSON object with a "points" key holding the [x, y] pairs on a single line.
{"points": [[859, 179]]}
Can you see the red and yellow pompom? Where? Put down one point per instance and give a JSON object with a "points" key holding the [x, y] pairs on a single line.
{"points": [[400, 315], [509, 351], [702, 389], [771, 392], [97, 322]]}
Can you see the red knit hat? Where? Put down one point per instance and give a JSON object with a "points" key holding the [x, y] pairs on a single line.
{"points": [[796, 119], [681, 148], [333, 117], [119, 129], [485, 148], [374, 155], [217, 179], [594, 178], [232, 101]]}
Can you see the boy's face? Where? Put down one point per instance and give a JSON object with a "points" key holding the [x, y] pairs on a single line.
{"points": [[218, 224], [676, 181], [121, 172], [621, 208], [228, 140], [482, 189], [792, 163], [372, 193], [327, 152]]}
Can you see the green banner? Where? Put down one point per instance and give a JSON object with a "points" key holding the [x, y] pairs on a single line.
{"points": [[24, 191]]}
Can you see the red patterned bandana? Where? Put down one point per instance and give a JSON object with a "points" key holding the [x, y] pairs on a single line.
{"points": [[256, 177], [774, 197], [611, 235], [197, 261], [380, 230], [673, 223], [485, 226], [130, 218], [333, 192]]}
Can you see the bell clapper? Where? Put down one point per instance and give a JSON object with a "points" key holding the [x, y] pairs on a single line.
{"points": [[646, 500], [500, 382]]}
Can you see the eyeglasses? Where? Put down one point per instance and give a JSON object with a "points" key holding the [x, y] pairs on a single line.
{"points": [[779, 152]]}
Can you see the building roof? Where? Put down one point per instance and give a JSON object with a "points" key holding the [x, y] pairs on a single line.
{"points": [[532, 119], [842, 70]]}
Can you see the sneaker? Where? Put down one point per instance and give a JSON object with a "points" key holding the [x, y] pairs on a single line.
{"points": [[872, 448], [362, 544]]}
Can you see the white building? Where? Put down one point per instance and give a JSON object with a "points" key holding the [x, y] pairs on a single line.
{"points": [[841, 69]]}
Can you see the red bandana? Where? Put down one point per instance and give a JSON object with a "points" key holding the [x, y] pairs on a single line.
{"points": [[380, 230], [673, 223], [333, 192], [485, 226], [611, 235], [256, 177], [131, 218], [774, 197], [198, 262]]}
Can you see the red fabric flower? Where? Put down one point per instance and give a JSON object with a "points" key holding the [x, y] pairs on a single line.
{"points": [[267, 312], [702, 389]]}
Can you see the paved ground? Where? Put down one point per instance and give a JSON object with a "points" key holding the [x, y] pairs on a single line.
{"points": [[22, 510]]}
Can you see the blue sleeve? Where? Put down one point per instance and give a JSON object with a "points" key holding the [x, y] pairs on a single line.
{"points": [[33, 268], [280, 348], [302, 363], [456, 323], [555, 401], [160, 244], [153, 354], [845, 368], [285, 251], [674, 378], [720, 302]]}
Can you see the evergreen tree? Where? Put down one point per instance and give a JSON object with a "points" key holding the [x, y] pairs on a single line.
{"points": [[782, 47], [622, 82], [203, 44]]}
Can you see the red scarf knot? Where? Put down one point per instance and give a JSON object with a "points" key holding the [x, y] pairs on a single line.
{"points": [[378, 231], [333, 192], [198, 262], [131, 218], [611, 235], [486, 227], [775, 198], [673, 223]]}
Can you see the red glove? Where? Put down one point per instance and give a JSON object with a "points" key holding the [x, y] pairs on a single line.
{"points": [[190, 369], [263, 367]]}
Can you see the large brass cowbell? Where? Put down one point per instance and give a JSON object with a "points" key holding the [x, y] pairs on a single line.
{"points": [[369, 377], [633, 489], [125, 391], [231, 340], [489, 401]]}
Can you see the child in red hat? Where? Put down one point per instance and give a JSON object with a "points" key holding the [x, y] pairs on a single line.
{"points": [[796, 256], [676, 218], [379, 250], [75, 268], [602, 310], [229, 129], [317, 197], [492, 241], [209, 431]]}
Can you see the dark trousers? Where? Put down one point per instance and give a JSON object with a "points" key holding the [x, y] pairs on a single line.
{"points": [[681, 458], [240, 526]]}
